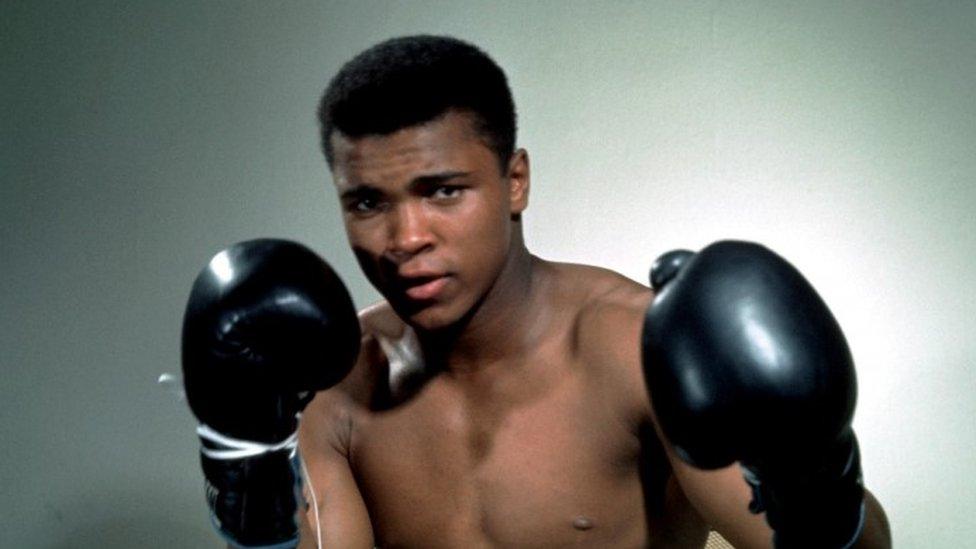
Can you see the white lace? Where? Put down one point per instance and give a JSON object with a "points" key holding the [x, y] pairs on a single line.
{"points": [[238, 449]]}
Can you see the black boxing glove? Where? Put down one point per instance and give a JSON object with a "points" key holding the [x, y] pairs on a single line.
{"points": [[744, 362], [268, 323]]}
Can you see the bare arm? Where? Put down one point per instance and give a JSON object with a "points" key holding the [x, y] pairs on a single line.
{"points": [[722, 498], [747, 362], [337, 515]]}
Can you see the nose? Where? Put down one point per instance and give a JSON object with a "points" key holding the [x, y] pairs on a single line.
{"points": [[409, 232]]}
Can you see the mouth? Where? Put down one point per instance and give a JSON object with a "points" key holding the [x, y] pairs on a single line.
{"points": [[424, 288]]}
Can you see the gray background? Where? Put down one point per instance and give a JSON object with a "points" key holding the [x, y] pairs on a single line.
{"points": [[138, 138]]}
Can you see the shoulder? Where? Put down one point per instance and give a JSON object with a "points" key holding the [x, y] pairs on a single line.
{"points": [[606, 334], [610, 308], [377, 323], [379, 319], [330, 415]]}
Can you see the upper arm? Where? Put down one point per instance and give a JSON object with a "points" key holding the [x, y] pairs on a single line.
{"points": [[336, 514], [722, 497]]}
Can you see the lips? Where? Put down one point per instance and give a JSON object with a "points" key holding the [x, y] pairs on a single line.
{"points": [[423, 287], [427, 290]]}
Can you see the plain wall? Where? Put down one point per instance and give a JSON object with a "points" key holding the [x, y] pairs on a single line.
{"points": [[140, 138]]}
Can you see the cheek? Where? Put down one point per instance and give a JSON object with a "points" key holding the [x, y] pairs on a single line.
{"points": [[367, 246], [364, 236], [484, 232]]}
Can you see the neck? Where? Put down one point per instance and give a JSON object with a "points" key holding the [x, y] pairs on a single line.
{"points": [[503, 325]]}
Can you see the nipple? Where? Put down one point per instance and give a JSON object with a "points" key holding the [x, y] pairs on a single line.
{"points": [[582, 523]]}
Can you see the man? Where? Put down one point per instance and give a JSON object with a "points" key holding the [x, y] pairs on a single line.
{"points": [[498, 399]]}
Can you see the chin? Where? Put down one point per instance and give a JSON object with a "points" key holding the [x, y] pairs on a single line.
{"points": [[430, 320]]}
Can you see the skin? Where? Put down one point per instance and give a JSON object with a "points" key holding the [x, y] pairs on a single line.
{"points": [[529, 424]]}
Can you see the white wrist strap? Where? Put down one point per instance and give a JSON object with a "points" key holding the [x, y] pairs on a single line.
{"points": [[238, 449]]}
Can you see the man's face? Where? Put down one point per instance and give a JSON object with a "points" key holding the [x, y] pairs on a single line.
{"points": [[429, 213]]}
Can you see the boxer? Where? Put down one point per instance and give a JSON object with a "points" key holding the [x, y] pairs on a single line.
{"points": [[499, 399]]}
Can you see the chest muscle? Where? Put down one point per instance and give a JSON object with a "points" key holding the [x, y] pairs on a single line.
{"points": [[548, 465]]}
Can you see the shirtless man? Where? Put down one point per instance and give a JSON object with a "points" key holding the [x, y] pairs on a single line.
{"points": [[498, 399]]}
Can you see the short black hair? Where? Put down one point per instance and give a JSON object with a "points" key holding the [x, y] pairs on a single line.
{"points": [[411, 80]]}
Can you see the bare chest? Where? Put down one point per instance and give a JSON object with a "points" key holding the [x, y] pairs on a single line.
{"points": [[528, 463]]}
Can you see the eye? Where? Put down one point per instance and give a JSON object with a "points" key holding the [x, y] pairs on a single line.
{"points": [[363, 205], [447, 192]]}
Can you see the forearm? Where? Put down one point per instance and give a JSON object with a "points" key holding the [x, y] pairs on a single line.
{"points": [[877, 532], [306, 534]]}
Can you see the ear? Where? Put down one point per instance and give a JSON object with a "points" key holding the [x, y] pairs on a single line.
{"points": [[518, 181]]}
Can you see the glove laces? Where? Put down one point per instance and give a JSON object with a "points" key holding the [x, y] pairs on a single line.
{"points": [[234, 448]]}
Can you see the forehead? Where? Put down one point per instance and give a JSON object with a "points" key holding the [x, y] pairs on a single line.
{"points": [[449, 142]]}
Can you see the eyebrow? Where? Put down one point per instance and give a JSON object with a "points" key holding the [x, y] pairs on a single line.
{"points": [[418, 182]]}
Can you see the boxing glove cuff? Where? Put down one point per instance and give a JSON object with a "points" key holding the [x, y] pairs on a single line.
{"points": [[823, 508], [253, 490]]}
